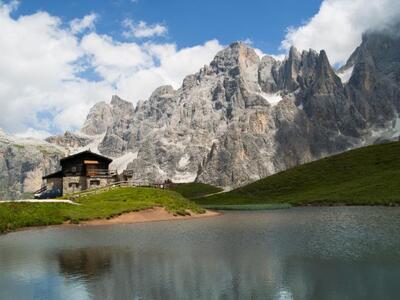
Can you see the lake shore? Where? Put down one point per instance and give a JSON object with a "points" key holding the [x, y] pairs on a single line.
{"points": [[148, 215]]}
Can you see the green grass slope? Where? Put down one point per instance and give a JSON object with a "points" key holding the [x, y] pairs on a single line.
{"points": [[194, 189], [103, 205], [365, 176]]}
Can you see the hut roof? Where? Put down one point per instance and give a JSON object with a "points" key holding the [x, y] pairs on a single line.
{"points": [[57, 174], [86, 152]]}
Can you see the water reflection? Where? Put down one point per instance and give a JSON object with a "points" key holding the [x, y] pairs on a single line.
{"points": [[84, 263], [339, 253], [127, 274], [189, 274]]}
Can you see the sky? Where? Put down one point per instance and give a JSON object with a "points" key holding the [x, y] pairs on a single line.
{"points": [[58, 58], [189, 22]]}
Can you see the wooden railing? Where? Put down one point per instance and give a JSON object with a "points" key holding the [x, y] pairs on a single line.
{"points": [[100, 173], [41, 190], [96, 190]]}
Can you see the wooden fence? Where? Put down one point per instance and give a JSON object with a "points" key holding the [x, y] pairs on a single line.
{"points": [[114, 185]]}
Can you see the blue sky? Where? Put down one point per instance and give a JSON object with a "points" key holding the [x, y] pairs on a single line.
{"points": [[191, 22]]}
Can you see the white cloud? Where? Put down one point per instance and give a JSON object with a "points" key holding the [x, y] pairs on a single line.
{"points": [[80, 25], [9, 7], [36, 58], [143, 30], [41, 89], [339, 24], [173, 66], [34, 134], [177, 64], [112, 59]]}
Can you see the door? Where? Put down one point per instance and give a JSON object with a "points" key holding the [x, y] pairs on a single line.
{"points": [[91, 170]]}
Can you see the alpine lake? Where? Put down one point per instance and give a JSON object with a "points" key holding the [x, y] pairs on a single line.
{"points": [[297, 253]]}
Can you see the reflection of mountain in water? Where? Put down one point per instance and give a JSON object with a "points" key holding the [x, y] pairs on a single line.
{"points": [[265, 256], [131, 274]]}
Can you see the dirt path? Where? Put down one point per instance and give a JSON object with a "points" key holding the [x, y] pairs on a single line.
{"points": [[39, 201]]}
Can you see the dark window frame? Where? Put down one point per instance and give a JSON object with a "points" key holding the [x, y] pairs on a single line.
{"points": [[95, 182]]}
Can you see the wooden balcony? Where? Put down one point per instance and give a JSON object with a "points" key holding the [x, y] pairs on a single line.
{"points": [[100, 173]]}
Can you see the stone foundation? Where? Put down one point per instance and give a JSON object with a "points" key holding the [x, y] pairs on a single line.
{"points": [[73, 184], [96, 182]]}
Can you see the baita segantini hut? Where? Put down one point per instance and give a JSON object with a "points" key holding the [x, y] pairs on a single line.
{"points": [[80, 171]]}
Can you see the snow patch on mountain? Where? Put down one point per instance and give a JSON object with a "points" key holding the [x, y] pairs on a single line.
{"points": [[184, 161], [272, 98], [183, 177]]}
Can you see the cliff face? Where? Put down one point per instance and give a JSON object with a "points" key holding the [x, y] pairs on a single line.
{"points": [[23, 162], [242, 118]]}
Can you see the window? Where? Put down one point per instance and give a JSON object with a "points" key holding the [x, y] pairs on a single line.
{"points": [[95, 182], [73, 185]]}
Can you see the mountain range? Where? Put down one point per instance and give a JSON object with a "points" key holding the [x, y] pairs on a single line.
{"points": [[239, 119]]}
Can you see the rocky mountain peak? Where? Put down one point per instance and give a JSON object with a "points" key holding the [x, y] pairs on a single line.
{"points": [[102, 115], [291, 70], [69, 140], [164, 91], [117, 102], [238, 56], [325, 72], [267, 74], [98, 119], [294, 54]]}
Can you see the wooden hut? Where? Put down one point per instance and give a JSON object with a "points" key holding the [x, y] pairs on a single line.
{"points": [[81, 171]]}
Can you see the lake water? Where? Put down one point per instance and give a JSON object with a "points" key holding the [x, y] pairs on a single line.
{"points": [[300, 253]]}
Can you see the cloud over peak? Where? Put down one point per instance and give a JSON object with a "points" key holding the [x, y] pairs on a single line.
{"points": [[339, 24], [51, 73]]}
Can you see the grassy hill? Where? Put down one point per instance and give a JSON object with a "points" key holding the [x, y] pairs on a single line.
{"points": [[365, 176], [103, 205], [194, 190]]}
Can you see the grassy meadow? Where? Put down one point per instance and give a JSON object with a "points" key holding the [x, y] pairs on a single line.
{"points": [[364, 176], [103, 205]]}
